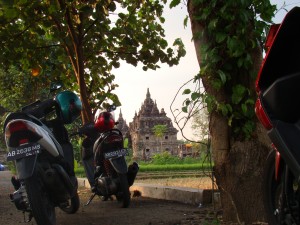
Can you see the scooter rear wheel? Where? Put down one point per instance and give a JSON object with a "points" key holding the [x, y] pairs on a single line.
{"points": [[42, 208], [73, 205], [124, 194], [281, 195], [272, 191]]}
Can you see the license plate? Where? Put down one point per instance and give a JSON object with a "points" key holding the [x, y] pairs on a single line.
{"points": [[115, 153], [23, 151]]}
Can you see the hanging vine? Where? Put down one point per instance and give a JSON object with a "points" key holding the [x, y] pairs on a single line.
{"points": [[234, 31]]}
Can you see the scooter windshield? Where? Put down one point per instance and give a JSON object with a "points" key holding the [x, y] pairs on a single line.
{"points": [[283, 57]]}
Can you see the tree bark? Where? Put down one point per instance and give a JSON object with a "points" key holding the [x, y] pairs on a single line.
{"points": [[237, 164]]}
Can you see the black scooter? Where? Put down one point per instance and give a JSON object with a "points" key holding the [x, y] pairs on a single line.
{"points": [[38, 143]]}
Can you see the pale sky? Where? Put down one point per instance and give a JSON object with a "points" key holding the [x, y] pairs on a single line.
{"points": [[165, 82]]}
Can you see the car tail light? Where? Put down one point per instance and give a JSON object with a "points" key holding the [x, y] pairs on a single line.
{"points": [[262, 115]]}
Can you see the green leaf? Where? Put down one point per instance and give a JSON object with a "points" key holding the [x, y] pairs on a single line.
{"points": [[11, 13], [223, 108], [174, 3], [187, 102], [220, 37], [195, 96], [185, 21], [213, 24], [222, 76], [217, 84], [244, 108], [238, 93], [186, 92], [184, 109]]}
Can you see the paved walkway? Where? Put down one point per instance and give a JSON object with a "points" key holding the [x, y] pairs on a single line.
{"points": [[184, 195]]}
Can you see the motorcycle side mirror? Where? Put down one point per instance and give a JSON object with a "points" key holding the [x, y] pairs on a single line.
{"points": [[111, 108], [55, 86]]}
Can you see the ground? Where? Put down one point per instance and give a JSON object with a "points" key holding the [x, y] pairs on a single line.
{"points": [[142, 211]]}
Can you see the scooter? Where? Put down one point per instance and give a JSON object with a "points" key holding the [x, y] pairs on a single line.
{"points": [[278, 109], [38, 143], [103, 155]]}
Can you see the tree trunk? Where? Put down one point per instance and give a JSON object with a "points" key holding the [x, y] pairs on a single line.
{"points": [[76, 56], [238, 164]]}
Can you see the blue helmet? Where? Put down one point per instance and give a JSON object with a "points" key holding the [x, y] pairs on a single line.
{"points": [[70, 106]]}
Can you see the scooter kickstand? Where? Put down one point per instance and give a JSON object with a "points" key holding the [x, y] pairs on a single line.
{"points": [[91, 199], [30, 216]]}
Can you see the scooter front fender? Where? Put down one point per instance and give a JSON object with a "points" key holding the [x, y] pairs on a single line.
{"points": [[119, 164], [25, 166]]}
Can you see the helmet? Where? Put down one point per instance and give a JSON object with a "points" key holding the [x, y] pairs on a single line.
{"points": [[69, 104], [104, 121]]}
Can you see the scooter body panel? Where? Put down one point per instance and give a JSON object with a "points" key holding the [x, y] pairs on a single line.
{"points": [[47, 141]]}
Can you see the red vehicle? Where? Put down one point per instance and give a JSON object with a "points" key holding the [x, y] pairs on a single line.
{"points": [[278, 109]]}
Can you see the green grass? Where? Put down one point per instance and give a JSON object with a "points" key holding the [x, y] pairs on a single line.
{"points": [[165, 162], [173, 167], [151, 167]]}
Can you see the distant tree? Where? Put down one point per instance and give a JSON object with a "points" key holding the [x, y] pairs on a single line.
{"points": [[159, 131], [200, 125], [82, 41]]}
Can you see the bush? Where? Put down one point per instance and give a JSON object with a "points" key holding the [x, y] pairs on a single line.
{"points": [[166, 158]]}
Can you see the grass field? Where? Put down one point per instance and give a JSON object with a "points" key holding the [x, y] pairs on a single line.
{"points": [[179, 175]]}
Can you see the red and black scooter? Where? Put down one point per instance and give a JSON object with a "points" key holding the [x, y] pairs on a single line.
{"points": [[278, 109], [103, 157]]}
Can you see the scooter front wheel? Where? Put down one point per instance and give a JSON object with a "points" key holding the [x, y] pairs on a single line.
{"points": [[123, 195]]}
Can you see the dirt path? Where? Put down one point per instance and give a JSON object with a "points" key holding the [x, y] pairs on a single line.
{"points": [[142, 211]]}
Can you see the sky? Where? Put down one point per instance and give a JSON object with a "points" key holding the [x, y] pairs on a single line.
{"points": [[165, 82]]}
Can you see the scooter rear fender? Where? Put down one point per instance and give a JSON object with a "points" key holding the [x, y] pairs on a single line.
{"points": [[25, 166], [119, 164]]}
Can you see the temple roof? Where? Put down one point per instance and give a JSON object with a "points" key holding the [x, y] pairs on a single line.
{"points": [[149, 113]]}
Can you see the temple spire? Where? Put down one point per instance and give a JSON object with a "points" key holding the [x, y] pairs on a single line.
{"points": [[148, 93], [120, 114]]}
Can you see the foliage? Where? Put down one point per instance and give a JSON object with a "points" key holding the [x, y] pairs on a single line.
{"points": [[81, 41], [159, 130], [76, 143], [213, 222], [18, 90], [233, 31], [166, 158]]}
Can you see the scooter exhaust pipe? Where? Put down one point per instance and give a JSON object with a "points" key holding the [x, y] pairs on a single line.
{"points": [[132, 172]]}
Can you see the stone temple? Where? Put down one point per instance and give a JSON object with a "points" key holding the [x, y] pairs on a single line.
{"points": [[143, 140]]}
